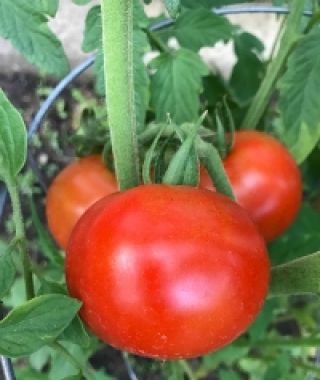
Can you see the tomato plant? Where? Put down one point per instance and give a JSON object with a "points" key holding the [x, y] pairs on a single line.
{"points": [[73, 190], [166, 271], [265, 179]]}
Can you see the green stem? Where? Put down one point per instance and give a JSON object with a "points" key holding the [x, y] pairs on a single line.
{"points": [[157, 41], [187, 370], [289, 39], [117, 38], [20, 236], [75, 363], [209, 156], [296, 277]]}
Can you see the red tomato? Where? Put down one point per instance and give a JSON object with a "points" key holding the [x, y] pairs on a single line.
{"points": [[167, 271], [73, 191], [265, 179]]}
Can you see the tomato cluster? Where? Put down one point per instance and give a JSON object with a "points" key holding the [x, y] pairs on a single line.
{"points": [[167, 271]]}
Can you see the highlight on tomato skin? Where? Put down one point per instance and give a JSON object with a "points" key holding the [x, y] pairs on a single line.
{"points": [[73, 191], [265, 179], [167, 271]]}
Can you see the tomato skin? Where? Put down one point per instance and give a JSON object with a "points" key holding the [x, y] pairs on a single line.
{"points": [[265, 179], [167, 271], [73, 191]]}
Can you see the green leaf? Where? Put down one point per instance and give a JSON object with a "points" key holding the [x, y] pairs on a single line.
{"points": [[76, 333], [81, 2], [228, 375], [176, 85], [48, 7], [7, 269], [279, 369], [74, 377], [211, 3], [228, 355], [60, 367], [265, 317], [36, 323], [172, 7], [29, 374], [299, 99], [302, 238], [141, 77], [93, 30], [249, 69], [182, 170], [29, 33], [13, 143], [198, 28], [44, 240]]}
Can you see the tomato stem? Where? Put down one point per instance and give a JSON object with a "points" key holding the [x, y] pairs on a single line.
{"points": [[296, 277], [289, 38], [117, 38], [20, 237], [187, 369], [211, 159]]}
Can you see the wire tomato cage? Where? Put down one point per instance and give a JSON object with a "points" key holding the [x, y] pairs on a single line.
{"points": [[6, 363]]}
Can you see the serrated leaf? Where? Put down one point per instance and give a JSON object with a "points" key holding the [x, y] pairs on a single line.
{"points": [[248, 71], [172, 7], [7, 269], [29, 33], [299, 102], [302, 238], [13, 142], [93, 30], [176, 85], [36, 323], [197, 28]]}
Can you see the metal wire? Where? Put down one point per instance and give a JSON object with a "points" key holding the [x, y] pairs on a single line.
{"points": [[35, 124]]}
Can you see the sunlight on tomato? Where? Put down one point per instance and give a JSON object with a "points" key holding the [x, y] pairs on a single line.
{"points": [[167, 271], [265, 179], [73, 191]]}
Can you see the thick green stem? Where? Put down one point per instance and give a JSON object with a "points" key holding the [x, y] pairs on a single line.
{"points": [[289, 38], [296, 277], [21, 237], [117, 38]]}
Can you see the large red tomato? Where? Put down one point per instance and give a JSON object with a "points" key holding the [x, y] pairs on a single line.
{"points": [[167, 271], [265, 179], [73, 191]]}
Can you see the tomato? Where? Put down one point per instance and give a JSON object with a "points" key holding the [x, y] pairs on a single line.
{"points": [[76, 188], [167, 271], [265, 179]]}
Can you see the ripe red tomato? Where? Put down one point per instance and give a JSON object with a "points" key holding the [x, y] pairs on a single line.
{"points": [[73, 191], [167, 271], [265, 179]]}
